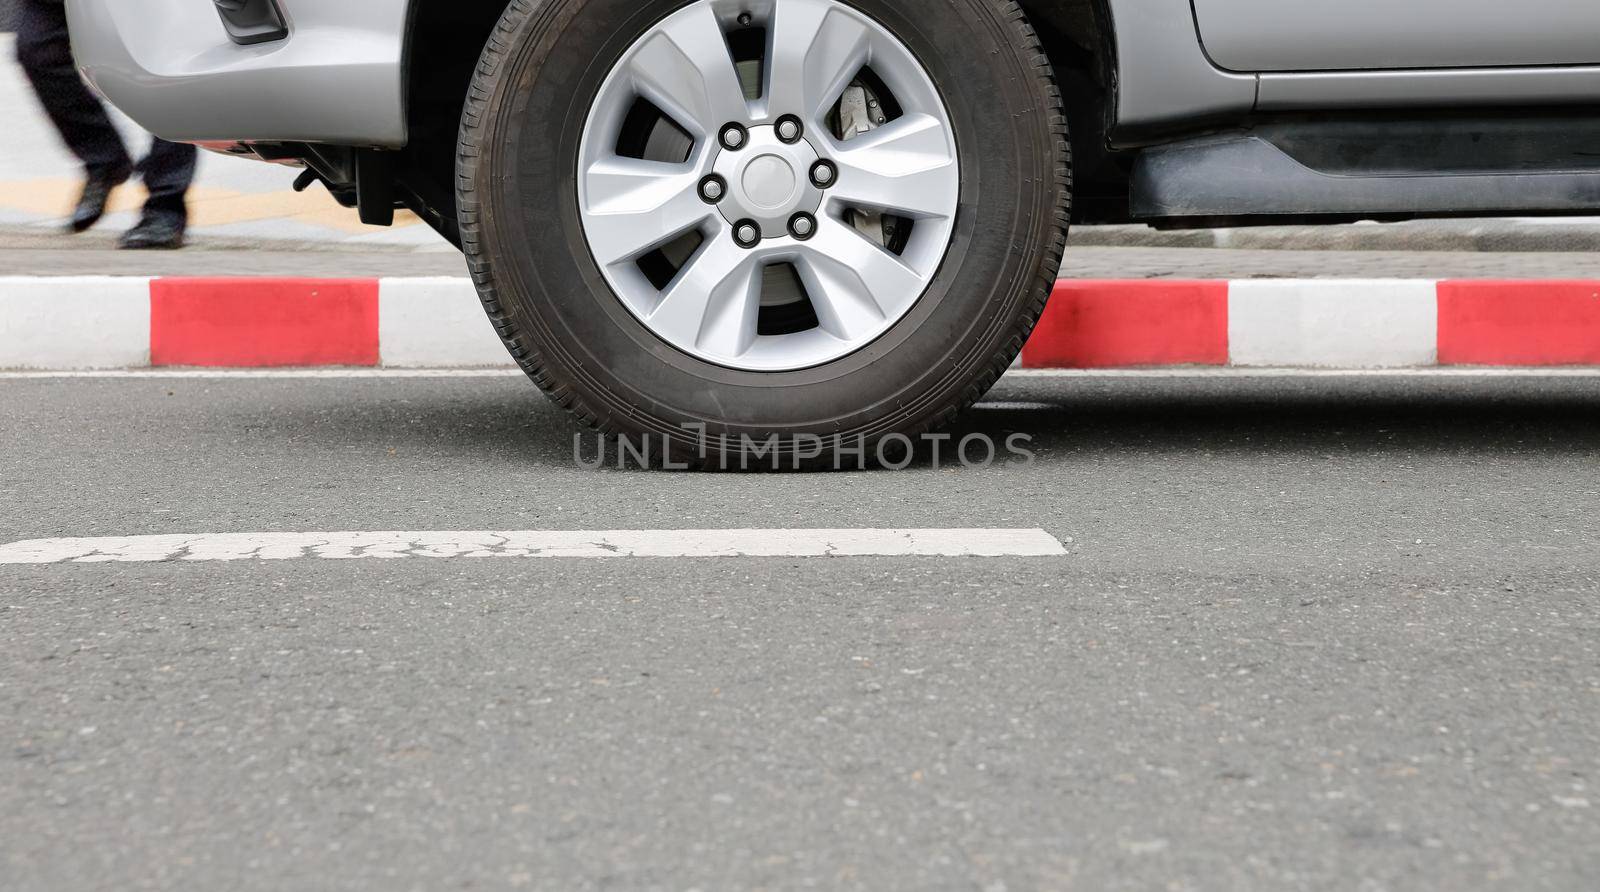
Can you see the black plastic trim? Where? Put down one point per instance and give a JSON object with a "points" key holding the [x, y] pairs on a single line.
{"points": [[250, 22], [1380, 168]]}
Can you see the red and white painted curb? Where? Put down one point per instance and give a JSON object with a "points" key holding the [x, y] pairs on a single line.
{"points": [[1319, 324], [63, 324]]}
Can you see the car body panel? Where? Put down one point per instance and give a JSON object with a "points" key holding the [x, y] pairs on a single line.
{"points": [[1315, 35], [1163, 77], [340, 75], [170, 65]]}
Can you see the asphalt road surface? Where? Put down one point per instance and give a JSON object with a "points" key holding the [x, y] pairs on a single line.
{"points": [[1309, 633]]}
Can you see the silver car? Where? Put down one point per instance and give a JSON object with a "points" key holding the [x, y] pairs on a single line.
{"points": [[824, 225]]}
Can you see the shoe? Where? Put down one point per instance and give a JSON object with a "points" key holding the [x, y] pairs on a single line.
{"points": [[157, 230], [92, 203]]}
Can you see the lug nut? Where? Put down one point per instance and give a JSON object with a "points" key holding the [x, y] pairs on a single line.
{"points": [[746, 234], [802, 226], [789, 129], [733, 137], [823, 174], [712, 189]]}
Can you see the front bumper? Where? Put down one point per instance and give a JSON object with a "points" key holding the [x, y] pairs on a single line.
{"points": [[171, 66]]}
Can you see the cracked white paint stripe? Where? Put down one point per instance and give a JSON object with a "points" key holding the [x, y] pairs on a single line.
{"points": [[536, 543]]}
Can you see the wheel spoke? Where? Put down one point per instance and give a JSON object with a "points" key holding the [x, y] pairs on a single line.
{"points": [[635, 206], [815, 48], [854, 285], [714, 301], [686, 69], [906, 166]]}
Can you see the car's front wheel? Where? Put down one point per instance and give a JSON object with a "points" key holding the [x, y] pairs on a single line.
{"points": [[725, 221]]}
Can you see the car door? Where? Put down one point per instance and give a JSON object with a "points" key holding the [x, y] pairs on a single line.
{"points": [[1365, 35]]}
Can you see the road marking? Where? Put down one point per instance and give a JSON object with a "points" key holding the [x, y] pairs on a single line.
{"points": [[1186, 372], [536, 543]]}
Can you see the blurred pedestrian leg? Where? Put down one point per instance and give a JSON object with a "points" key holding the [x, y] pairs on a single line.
{"points": [[45, 50], [167, 172]]}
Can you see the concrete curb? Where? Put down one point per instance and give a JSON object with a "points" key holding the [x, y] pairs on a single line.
{"points": [[65, 324]]}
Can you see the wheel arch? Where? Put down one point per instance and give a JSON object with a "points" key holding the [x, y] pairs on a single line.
{"points": [[437, 72], [1077, 36]]}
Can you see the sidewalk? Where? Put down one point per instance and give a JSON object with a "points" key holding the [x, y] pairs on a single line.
{"points": [[35, 251], [30, 251]]}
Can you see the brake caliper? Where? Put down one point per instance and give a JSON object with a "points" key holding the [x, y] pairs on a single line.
{"points": [[861, 112]]}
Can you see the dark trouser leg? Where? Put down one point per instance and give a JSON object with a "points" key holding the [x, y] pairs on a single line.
{"points": [[45, 52], [168, 170]]}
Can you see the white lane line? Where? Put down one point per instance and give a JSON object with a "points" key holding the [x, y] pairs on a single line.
{"points": [[1184, 372], [536, 543]]}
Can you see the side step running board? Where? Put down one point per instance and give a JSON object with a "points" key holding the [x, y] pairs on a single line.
{"points": [[1371, 171]]}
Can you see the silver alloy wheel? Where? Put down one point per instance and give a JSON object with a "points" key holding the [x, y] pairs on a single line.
{"points": [[842, 255]]}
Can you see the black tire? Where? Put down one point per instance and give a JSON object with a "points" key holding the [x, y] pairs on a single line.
{"points": [[517, 192]]}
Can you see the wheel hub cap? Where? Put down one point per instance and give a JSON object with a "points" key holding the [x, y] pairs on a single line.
{"points": [[770, 181]]}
